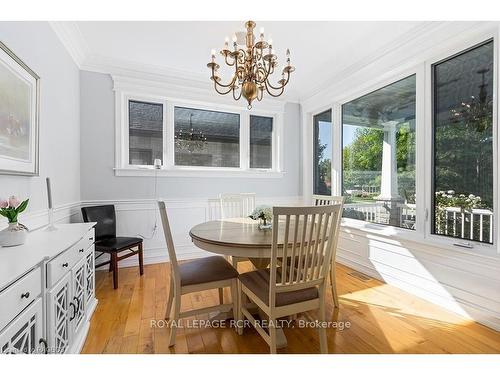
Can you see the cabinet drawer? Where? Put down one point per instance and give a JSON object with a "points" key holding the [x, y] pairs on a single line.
{"points": [[63, 263], [16, 297]]}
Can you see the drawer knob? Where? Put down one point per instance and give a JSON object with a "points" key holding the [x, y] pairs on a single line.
{"points": [[25, 295], [65, 264], [80, 251], [91, 239]]}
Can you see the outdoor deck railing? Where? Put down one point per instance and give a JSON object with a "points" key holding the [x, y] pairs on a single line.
{"points": [[474, 225]]}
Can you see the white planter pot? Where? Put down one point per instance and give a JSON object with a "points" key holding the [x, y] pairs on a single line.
{"points": [[13, 235]]}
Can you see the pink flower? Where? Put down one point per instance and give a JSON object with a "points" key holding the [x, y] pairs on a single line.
{"points": [[4, 203], [13, 201]]}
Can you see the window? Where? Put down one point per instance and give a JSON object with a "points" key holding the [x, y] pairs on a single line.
{"points": [[206, 138], [261, 142], [463, 145], [211, 140], [378, 155], [145, 122], [322, 166]]}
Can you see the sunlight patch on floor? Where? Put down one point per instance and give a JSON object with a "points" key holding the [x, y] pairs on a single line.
{"points": [[378, 297]]}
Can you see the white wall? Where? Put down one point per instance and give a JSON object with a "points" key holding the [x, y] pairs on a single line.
{"points": [[186, 196], [38, 46], [98, 153], [464, 281]]}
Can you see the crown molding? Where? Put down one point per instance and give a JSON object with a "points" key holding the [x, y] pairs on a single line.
{"points": [[416, 32], [401, 54], [180, 89], [72, 39], [161, 75]]}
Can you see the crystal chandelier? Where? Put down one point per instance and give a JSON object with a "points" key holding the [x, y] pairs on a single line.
{"points": [[191, 140], [253, 67]]}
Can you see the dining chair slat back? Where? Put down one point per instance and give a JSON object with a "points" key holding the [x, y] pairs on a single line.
{"points": [[308, 240], [168, 238], [236, 205], [214, 209], [323, 200], [195, 275]]}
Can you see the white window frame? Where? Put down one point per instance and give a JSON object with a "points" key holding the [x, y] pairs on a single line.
{"points": [[424, 137], [457, 48], [123, 168], [419, 128], [125, 139]]}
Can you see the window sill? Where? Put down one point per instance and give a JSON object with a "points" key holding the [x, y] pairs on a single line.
{"points": [[485, 252], [197, 172]]}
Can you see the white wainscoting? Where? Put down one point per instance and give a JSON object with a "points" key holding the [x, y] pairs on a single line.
{"points": [[66, 213], [137, 218], [464, 283]]}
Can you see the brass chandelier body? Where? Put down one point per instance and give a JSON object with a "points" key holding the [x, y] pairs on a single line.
{"points": [[253, 66]]}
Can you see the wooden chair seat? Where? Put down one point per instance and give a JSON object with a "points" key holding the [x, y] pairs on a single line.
{"points": [[206, 270], [258, 283], [117, 244]]}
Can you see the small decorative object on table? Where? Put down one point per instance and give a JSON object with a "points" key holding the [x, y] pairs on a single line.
{"points": [[265, 215], [16, 233]]}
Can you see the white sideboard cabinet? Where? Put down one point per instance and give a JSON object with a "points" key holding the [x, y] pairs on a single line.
{"points": [[47, 291]]}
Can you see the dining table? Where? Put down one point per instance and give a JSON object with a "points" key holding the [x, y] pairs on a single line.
{"points": [[240, 238]]}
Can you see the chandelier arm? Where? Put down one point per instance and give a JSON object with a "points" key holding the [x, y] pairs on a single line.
{"points": [[282, 89], [264, 72], [230, 84], [227, 61], [282, 86], [267, 72], [220, 92], [243, 55], [234, 96]]}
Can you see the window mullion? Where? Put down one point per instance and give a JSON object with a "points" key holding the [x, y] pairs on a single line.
{"points": [[337, 149], [245, 141], [168, 151]]}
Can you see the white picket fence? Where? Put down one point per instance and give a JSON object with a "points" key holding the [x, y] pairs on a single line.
{"points": [[452, 221]]}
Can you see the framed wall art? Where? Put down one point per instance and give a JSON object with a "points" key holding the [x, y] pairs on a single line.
{"points": [[19, 115]]}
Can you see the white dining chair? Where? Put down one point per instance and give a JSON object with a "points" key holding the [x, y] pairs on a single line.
{"points": [[308, 235], [322, 200], [236, 204], [194, 276], [214, 209], [231, 205]]}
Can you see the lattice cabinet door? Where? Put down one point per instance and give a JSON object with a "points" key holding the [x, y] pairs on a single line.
{"points": [[89, 277], [61, 310], [24, 334], [78, 296]]}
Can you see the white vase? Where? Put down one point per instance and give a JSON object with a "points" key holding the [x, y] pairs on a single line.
{"points": [[13, 235]]}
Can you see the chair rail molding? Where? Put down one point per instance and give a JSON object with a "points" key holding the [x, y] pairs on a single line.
{"points": [[65, 213], [137, 217]]}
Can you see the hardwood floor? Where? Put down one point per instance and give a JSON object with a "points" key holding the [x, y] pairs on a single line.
{"points": [[383, 319]]}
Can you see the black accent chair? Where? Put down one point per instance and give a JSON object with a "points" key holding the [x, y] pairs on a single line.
{"points": [[106, 241]]}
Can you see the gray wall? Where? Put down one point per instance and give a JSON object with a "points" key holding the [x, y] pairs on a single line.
{"points": [[38, 46], [98, 148]]}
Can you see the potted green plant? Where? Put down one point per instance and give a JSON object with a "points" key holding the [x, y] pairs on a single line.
{"points": [[15, 234]]}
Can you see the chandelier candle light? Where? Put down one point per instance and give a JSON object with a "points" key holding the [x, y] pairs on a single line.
{"points": [[253, 67]]}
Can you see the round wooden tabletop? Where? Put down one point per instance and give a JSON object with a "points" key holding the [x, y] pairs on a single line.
{"points": [[239, 237]]}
